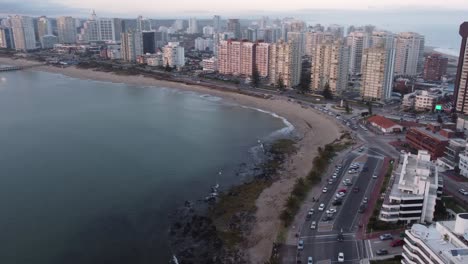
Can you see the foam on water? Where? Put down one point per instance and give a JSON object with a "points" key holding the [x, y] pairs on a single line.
{"points": [[288, 129]]}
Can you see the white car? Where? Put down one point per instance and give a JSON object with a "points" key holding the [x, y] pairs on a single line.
{"points": [[364, 200], [374, 176], [309, 260], [331, 211], [463, 191], [321, 207], [300, 245], [324, 190], [313, 225], [340, 257], [340, 194]]}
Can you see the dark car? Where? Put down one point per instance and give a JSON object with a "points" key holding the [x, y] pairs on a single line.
{"points": [[381, 252], [337, 202], [340, 237], [362, 208], [356, 189], [397, 243]]}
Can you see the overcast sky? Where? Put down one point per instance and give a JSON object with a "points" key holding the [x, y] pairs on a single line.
{"points": [[130, 8]]}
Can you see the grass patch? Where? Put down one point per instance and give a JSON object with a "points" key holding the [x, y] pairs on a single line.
{"points": [[453, 204]]}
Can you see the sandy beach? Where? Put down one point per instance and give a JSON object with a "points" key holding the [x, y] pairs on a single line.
{"points": [[313, 128]]}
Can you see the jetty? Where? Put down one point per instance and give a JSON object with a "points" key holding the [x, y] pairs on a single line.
{"points": [[17, 68]]}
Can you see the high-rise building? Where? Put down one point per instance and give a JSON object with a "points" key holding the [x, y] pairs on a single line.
{"points": [[208, 31], [217, 24], [7, 40], [461, 81], [440, 243], [48, 41], [106, 29], [377, 73], [262, 58], [23, 33], [178, 25], [409, 48], [330, 66], [285, 63], [173, 55], [193, 26], [149, 42], [357, 42], [299, 38], [143, 24], [234, 27], [416, 187], [66, 30], [131, 45], [44, 26], [435, 67], [202, 44], [236, 57], [118, 26], [382, 39], [263, 22], [251, 34], [336, 30], [312, 39]]}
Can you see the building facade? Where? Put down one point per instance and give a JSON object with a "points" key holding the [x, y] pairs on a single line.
{"points": [[377, 74], [44, 26], [330, 66], [262, 58], [426, 139], [23, 33], [66, 30], [441, 243], [312, 39], [174, 55], [415, 191], [285, 63], [131, 45], [435, 67], [409, 50], [233, 26], [461, 81], [48, 41], [193, 26], [204, 44], [357, 41], [451, 157], [7, 40]]}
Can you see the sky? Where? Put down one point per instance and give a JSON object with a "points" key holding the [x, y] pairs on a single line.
{"points": [[131, 8]]}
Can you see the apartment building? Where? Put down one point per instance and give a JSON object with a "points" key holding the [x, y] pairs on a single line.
{"points": [[461, 81], [433, 140], [416, 188], [440, 243], [435, 67], [377, 74], [357, 41], [285, 63], [409, 49]]}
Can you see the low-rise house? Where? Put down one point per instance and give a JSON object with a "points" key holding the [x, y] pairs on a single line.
{"points": [[384, 124]]}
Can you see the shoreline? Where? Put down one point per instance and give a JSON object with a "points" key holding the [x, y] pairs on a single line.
{"points": [[312, 129]]}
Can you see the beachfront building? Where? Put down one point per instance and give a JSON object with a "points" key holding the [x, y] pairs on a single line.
{"points": [[377, 74], [23, 33], [262, 58], [6, 38], [239, 58], [435, 67], [285, 63], [330, 66], [461, 81], [415, 191], [357, 41], [66, 30], [44, 26], [313, 39], [409, 50], [131, 45], [440, 243], [174, 55], [299, 38]]}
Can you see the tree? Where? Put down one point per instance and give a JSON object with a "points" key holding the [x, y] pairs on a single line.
{"points": [[369, 107], [168, 68], [439, 119], [304, 85], [255, 77], [327, 92], [348, 110], [280, 84], [454, 118]]}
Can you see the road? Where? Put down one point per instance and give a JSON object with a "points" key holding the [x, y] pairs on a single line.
{"points": [[322, 243]]}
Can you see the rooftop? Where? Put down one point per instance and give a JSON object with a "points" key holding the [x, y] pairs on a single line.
{"points": [[429, 133], [382, 121]]}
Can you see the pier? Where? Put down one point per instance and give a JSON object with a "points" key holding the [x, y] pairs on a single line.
{"points": [[17, 68]]}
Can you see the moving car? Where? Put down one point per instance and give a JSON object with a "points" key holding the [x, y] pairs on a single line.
{"points": [[310, 213], [463, 191], [356, 189], [340, 237], [386, 237], [381, 252], [313, 225], [340, 257], [337, 202], [324, 190], [342, 190], [321, 207], [374, 176], [340, 194], [309, 260], [300, 245], [364, 201], [397, 243]]}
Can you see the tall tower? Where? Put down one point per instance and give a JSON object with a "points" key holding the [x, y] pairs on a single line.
{"points": [[131, 45], [234, 27], [409, 59], [217, 24], [23, 33], [461, 82], [357, 42], [377, 73], [193, 26], [285, 63], [66, 29]]}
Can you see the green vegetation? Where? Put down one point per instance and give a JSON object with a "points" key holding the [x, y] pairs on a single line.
{"points": [[327, 92], [280, 84], [347, 108], [304, 85], [255, 77], [452, 204], [394, 260]]}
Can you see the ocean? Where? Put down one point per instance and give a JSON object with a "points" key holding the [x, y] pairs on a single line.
{"points": [[91, 171]]}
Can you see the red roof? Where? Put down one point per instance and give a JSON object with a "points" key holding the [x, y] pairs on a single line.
{"points": [[382, 122]]}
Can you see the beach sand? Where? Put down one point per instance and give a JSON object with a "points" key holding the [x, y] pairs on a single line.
{"points": [[313, 129]]}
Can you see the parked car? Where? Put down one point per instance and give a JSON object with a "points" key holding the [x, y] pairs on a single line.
{"points": [[342, 190], [321, 207], [337, 202], [463, 191], [340, 194], [362, 208], [356, 189], [341, 257], [381, 252], [324, 190], [374, 176], [309, 260], [330, 182], [386, 237], [300, 245], [397, 243], [364, 201], [313, 225], [331, 211]]}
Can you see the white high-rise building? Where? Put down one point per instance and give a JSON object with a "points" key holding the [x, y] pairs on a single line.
{"points": [[285, 63], [193, 26], [440, 243], [217, 24], [208, 31], [409, 50], [315, 38], [106, 29], [23, 33], [299, 38], [44, 26], [202, 44], [415, 191], [143, 24], [357, 42], [66, 30], [131, 45], [330, 66], [174, 55]]}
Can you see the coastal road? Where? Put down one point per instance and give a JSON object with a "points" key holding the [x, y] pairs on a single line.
{"points": [[322, 243]]}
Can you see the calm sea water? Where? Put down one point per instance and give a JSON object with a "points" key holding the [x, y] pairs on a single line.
{"points": [[89, 171]]}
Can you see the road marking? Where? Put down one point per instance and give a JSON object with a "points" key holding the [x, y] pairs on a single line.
{"points": [[327, 242], [357, 248], [331, 235], [370, 249]]}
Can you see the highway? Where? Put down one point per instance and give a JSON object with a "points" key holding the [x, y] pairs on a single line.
{"points": [[322, 244]]}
